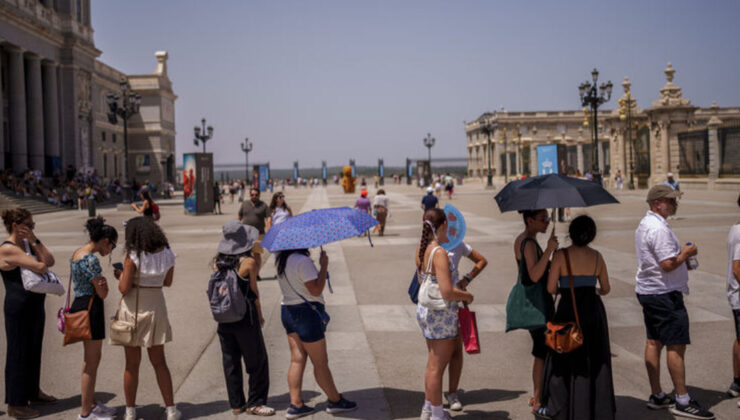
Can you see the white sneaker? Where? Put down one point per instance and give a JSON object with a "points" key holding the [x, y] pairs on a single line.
{"points": [[102, 409], [445, 416], [173, 413], [94, 416], [426, 413], [454, 400], [130, 414]]}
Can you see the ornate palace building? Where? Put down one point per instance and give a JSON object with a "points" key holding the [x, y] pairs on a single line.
{"points": [[54, 98], [700, 146]]}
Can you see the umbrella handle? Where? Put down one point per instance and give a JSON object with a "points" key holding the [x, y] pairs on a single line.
{"points": [[369, 239]]}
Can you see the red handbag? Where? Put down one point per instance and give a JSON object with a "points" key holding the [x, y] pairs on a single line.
{"points": [[469, 330]]}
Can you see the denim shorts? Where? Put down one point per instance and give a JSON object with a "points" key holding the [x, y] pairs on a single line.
{"points": [[303, 320]]}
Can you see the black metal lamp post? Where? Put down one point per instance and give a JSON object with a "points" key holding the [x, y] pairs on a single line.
{"points": [[520, 160], [207, 134], [129, 106], [488, 128], [246, 148], [429, 143], [593, 97]]}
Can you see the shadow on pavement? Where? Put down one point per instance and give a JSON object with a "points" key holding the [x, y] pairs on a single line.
{"points": [[70, 403], [194, 411], [405, 403]]}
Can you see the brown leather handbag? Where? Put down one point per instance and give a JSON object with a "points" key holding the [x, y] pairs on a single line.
{"points": [[76, 325], [564, 337]]}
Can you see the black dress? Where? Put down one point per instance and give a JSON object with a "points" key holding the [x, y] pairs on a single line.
{"points": [[24, 332], [578, 385]]}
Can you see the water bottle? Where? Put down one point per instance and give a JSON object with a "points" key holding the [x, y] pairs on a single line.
{"points": [[692, 262]]}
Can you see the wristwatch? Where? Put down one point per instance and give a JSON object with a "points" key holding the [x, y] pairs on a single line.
{"points": [[467, 278]]}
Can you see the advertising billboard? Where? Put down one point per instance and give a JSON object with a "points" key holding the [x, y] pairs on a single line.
{"points": [[551, 159], [197, 181], [260, 176]]}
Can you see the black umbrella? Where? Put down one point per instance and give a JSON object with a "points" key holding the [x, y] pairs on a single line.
{"points": [[551, 191]]}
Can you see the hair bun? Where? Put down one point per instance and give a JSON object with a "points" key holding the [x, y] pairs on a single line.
{"points": [[94, 224]]}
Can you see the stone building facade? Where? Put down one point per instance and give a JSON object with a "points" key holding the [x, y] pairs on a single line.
{"points": [[53, 98], [700, 146]]}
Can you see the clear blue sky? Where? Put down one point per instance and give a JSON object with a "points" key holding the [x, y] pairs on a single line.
{"points": [[312, 80]]}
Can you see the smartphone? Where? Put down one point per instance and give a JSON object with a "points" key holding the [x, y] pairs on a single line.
{"points": [[118, 266]]}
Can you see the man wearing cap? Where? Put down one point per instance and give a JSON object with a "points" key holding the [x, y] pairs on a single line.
{"points": [[671, 182], [429, 201], [661, 280]]}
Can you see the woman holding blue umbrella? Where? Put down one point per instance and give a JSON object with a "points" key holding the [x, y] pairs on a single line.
{"points": [[305, 320]]}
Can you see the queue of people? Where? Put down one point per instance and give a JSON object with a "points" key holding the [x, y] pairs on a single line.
{"points": [[572, 385]]}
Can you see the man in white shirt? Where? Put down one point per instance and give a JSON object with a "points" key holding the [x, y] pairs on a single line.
{"points": [[733, 296], [661, 280]]}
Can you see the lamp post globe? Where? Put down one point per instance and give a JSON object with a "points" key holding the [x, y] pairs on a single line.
{"points": [[202, 134], [123, 106], [429, 143], [592, 95]]}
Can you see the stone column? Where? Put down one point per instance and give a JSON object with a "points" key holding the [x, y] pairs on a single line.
{"points": [[35, 113], [713, 137], [600, 155], [533, 159], [496, 158], [17, 109], [51, 112], [518, 164], [664, 157], [579, 157]]}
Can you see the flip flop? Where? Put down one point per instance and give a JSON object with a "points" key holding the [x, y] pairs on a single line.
{"points": [[261, 410]]}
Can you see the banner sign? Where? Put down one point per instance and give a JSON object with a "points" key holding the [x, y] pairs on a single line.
{"points": [[547, 159]]}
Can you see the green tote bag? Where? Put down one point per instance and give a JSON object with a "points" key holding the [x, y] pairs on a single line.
{"points": [[527, 307]]}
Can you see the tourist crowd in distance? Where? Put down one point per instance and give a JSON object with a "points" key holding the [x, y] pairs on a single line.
{"points": [[567, 383], [74, 188]]}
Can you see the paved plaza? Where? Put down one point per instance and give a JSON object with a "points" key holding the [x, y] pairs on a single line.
{"points": [[376, 350]]}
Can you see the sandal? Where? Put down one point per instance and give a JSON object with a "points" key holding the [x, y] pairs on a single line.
{"points": [[531, 401], [261, 410]]}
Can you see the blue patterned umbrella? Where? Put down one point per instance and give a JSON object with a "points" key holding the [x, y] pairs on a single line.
{"points": [[316, 228]]}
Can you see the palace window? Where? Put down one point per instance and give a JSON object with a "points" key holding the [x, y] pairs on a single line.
{"points": [[102, 136]]}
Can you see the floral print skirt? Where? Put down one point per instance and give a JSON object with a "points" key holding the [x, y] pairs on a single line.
{"points": [[438, 324]]}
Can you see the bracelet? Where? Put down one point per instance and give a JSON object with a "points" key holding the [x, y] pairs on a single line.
{"points": [[468, 278]]}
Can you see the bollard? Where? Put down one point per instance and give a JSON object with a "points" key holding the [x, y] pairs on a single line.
{"points": [[91, 207]]}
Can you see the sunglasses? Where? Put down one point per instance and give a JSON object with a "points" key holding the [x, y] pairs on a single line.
{"points": [[31, 225]]}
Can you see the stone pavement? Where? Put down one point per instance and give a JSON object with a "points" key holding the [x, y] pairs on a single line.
{"points": [[376, 351]]}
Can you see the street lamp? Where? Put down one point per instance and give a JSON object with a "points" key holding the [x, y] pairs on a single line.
{"points": [[519, 149], [246, 148], [487, 128], [203, 138], [429, 143], [593, 98], [129, 106], [625, 114]]}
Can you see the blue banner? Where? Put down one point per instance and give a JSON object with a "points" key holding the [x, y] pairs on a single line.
{"points": [[264, 173], [547, 159], [323, 171]]}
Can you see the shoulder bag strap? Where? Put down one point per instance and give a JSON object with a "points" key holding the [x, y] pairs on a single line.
{"points": [[431, 260], [138, 277], [572, 292], [69, 290]]}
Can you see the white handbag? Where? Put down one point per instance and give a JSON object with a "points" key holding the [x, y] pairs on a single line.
{"points": [[429, 295], [40, 283]]}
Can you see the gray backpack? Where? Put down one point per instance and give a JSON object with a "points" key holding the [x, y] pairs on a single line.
{"points": [[228, 303]]}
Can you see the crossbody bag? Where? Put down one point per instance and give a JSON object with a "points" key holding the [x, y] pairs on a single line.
{"points": [[564, 337]]}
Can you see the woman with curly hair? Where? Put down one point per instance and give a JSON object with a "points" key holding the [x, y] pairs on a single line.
{"points": [[24, 315], [149, 266], [440, 327]]}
